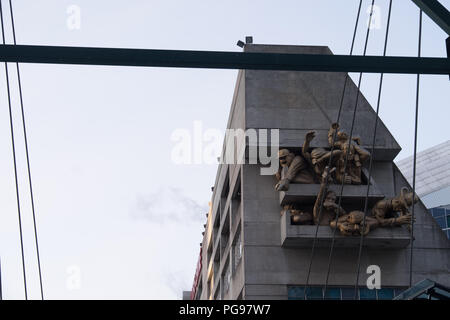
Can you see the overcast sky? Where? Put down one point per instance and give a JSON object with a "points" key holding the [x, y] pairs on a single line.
{"points": [[117, 218]]}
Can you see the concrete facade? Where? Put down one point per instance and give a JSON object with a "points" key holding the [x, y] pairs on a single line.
{"points": [[244, 255]]}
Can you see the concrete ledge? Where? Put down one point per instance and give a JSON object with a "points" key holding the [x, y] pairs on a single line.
{"points": [[303, 236], [307, 193]]}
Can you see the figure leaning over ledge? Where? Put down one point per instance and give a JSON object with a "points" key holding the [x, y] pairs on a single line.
{"points": [[350, 224], [384, 214], [293, 168], [350, 173], [353, 224], [389, 212]]}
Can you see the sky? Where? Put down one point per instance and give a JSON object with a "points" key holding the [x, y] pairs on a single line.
{"points": [[117, 217]]}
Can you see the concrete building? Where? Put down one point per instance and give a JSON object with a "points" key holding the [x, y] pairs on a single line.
{"points": [[250, 251], [432, 181]]}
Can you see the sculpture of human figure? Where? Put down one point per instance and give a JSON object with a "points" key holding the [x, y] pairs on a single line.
{"points": [[298, 216], [389, 212], [329, 208], [353, 223], [293, 168], [349, 173], [383, 214], [318, 158]]}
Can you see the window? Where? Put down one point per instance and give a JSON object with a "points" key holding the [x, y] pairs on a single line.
{"points": [[199, 290], [333, 294], [385, 294], [367, 294], [225, 235], [226, 278], [236, 202], [215, 228], [437, 212], [217, 295], [237, 249], [216, 266], [441, 222], [209, 252], [344, 293], [349, 294]]}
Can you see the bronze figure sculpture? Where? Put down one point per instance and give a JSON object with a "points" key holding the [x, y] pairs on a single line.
{"points": [[298, 216], [293, 168], [350, 172], [386, 211], [318, 158], [329, 207]]}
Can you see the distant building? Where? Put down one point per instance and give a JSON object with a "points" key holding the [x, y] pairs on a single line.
{"points": [[432, 181]]}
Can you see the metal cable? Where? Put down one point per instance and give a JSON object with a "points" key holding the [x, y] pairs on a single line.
{"points": [[332, 148], [415, 154], [27, 154], [347, 154], [14, 159], [366, 202], [1, 291]]}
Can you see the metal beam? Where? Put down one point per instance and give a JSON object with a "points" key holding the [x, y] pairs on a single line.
{"points": [[221, 60], [437, 12]]}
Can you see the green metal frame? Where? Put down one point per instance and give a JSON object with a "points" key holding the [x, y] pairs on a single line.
{"points": [[437, 12], [221, 60]]}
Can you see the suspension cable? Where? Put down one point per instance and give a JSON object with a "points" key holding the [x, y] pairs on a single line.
{"points": [[330, 257], [331, 152], [366, 202], [415, 154], [14, 159], [1, 290], [27, 154]]}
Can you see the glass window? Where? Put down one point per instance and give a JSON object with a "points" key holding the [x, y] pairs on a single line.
{"points": [[448, 221], [349, 294], [441, 222], [438, 212], [346, 293], [314, 293], [333, 294], [397, 291], [237, 249], [296, 293], [385, 294], [367, 294]]}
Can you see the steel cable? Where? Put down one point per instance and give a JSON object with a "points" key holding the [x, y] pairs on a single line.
{"points": [[14, 158], [27, 156], [330, 257], [366, 202], [332, 148], [415, 155]]}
